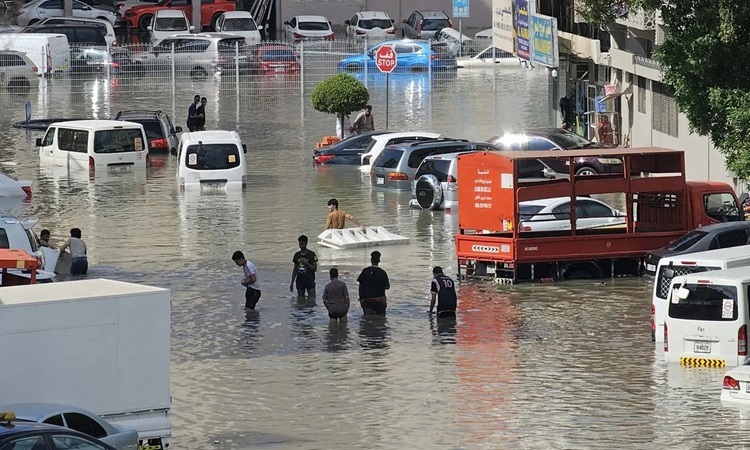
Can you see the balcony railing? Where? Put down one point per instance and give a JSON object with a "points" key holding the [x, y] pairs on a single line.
{"points": [[638, 19]]}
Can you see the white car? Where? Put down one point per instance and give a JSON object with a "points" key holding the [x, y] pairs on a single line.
{"points": [[10, 187], [553, 214], [484, 59], [484, 36], [166, 23], [239, 23], [37, 10], [736, 387], [105, 25], [381, 141], [308, 28], [370, 25]]}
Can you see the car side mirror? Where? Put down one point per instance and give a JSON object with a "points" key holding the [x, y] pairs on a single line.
{"points": [[192, 27], [173, 152], [347, 22], [260, 27], [178, 130], [244, 148], [149, 28], [286, 23], [38, 142]]}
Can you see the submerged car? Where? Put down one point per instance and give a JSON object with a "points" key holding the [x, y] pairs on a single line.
{"points": [[736, 386], [411, 56], [553, 214], [274, 59], [347, 151]]}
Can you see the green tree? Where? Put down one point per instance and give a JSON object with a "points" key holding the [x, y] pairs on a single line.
{"points": [[341, 94]]}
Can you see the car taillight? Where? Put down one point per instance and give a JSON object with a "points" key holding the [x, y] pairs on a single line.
{"points": [[391, 31], [419, 27], [451, 179], [27, 190], [92, 164], [398, 176], [322, 159], [666, 338], [742, 341], [298, 36], [159, 143], [361, 32], [34, 69], [115, 65], [330, 37], [731, 384]]}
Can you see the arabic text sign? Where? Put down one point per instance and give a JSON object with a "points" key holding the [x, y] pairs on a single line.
{"points": [[385, 59], [460, 8], [544, 49], [503, 36], [522, 13]]}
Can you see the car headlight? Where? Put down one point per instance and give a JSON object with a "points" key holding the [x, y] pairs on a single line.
{"points": [[609, 160]]}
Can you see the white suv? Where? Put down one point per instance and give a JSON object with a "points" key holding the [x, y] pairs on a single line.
{"points": [[382, 141], [370, 25], [435, 184]]}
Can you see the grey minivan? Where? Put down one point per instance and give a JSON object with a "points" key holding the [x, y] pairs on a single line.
{"points": [[397, 165], [424, 24]]}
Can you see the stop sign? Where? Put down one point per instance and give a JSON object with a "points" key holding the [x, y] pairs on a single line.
{"points": [[385, 58]]}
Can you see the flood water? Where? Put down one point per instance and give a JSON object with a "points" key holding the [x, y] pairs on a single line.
{"points": [[532, 366]]}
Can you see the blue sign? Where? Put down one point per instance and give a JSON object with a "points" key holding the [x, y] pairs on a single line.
{"points": [[523, 32], [544, 48], [460, 8]]}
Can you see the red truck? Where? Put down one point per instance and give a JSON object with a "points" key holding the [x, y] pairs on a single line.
{"points": [[140, 16], [495, 190]]}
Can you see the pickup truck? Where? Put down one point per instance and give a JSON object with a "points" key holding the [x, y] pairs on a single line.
{"points": [[140, 16]]}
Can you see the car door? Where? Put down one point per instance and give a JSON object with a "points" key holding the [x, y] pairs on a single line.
{"points": [[27, 442], [47, 148], [50, 8], [405, 56], [220, 23], [351, 29], [68, 441], [560, 219], [191, 53]]}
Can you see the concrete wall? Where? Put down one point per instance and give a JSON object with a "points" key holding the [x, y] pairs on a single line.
{"points": [[339, 10]]}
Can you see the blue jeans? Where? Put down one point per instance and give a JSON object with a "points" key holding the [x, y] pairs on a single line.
{"points": [[79, 265]]}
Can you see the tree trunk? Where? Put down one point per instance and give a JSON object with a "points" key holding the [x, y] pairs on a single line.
{"points": [[341, 121]]}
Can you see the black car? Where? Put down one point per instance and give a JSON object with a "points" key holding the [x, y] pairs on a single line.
{"points": [[348, 151], [709, 237], [160, 131], [39, 436], [78, 35]]}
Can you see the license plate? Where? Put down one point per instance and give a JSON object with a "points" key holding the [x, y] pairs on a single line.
{"points": [[701, 347], [211, 186], [381, 180], [119, 168], [278, 69], [651, 267]]}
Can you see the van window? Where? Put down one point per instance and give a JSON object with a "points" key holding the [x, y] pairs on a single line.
{"points": [[118, 141], [438, 167], [48, 138], [706, 302], [212, 156], [73, 140], [389, 159]]}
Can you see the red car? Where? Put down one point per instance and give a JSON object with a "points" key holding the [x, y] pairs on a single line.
{"points": [[140, 16], [276, 58]]}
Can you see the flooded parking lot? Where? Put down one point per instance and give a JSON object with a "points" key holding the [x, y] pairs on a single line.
{"points": [[532, 366]]}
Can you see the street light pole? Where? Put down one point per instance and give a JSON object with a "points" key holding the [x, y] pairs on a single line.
{"points": [[68, 8]]}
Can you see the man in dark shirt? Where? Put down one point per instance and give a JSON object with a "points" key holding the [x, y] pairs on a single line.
{"points": [[191, 113], [443, 290], [303, 274], [200, 116], [373, 282]]}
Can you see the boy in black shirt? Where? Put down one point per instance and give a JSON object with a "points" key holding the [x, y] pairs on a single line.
{"points": [[443, 289], [305, 264], [373, 282]]}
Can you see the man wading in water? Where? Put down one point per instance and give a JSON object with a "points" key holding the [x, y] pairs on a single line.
{"points": [[373, 282], [305, 265], [337, 219]]}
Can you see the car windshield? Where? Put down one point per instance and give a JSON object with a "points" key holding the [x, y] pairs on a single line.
{"points": [[686, 241], [245, 24], [369, 24], [526, 212], [277, 54], [170, 24], [570, 141], [212, 156], [118, 141], [435, 24], [314, 26], [437, 167], [708, 302]]}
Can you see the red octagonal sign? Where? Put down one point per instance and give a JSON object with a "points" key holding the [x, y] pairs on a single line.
{"points": [[385, 58]]}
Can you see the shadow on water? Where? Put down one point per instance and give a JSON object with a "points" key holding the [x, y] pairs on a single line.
{"points": [[250, 331], [303, 314]]}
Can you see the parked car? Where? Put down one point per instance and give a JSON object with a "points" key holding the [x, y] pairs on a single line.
{"points": [[78, 35], [484, 36], [347, 151], [308, 28], [553, 214], [166, 23], [457, 42], [36, 10], [396, 166], [50, 53], [199, 54], [425, 24], [77, 419], [736, 386], [160, 131], [122, 6], [411, 56], [533, 139], [485, 59], [239, 23], [708, 237], [11, 187], [105, 25], [17, 72], [211, 161], [273, 58], [435, 184], [39, 436], [372, 25], [139, 16], [381, 141], [96, 60]]}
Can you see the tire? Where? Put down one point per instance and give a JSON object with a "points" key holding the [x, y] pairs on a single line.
{"points": [[586, 171], [429, 192], [582, 271], [198, 72], [144, 21], [19, 85], [352, 67]]}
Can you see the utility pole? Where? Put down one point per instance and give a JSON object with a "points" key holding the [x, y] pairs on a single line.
{"points": [[68, 8], [196, 15]]}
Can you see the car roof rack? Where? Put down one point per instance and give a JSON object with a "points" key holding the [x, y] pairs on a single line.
{"points": [[137, 111]]}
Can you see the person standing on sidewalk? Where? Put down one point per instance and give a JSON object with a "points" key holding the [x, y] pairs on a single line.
{"points": [[373, 282], [249, 280], [336, 297]]}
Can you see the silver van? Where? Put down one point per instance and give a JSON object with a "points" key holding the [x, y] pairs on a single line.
{"points": [[435, 184], [424, 24]]}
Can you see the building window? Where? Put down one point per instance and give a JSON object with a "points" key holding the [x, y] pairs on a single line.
{"points": [[664, 111], [642, 95]]}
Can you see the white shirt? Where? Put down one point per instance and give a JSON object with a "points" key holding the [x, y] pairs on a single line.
{"points": [[77, 247], [250, 270]]}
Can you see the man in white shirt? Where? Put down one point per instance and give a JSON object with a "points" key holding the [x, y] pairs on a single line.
{"points": [[250, 279], [79, 262]]}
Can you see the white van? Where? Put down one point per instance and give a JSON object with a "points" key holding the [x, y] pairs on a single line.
{"points": [[166, 23], [94, 144], [49, 52], [707, 318], [673, 266], [211, 160]]}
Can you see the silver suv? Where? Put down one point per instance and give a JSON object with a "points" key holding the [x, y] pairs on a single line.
{"points": [[435, 184], [199, 54], [424, 24]]}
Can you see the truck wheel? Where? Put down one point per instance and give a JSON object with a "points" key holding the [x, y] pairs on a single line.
{"points": [[582, 271], [144, 22]]}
